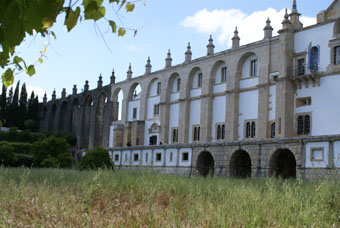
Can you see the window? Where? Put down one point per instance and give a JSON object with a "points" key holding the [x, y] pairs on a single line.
{"points": [[250, 129], [220, 132], [156, 110], [301, 66], [253, 68], [303, 101], [314, 59], [199, 80], [178, 84], [158, 88], [134, 113], [135, 157], [153, 140], [116, 157], [316, 154], [337, 55], [146, 157], [197, 132], [303, 125], [224, 74], [175, 135], [137, 141], [272, 130], [170, 157], [185, 156], [158, 157]]}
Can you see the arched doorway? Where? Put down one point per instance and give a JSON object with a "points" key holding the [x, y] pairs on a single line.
{"points": [[282, 164], [205, 164], [240, 164]]}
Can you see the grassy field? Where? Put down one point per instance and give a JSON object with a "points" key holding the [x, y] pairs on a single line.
{"points": [[70, 198]]}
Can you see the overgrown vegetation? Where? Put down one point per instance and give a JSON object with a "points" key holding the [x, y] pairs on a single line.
{"points": [[96, 158], [70, 198]]}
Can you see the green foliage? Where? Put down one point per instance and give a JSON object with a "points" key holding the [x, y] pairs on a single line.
{"points": [[70, 138], [96, 158], [47, 152], [26, 17], [24, 160], [18, 147], [7, 156]]}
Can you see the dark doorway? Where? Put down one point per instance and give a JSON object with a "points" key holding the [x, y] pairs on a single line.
{"points": [[153, 140], [240, 164], [282, 164], [205, 164]]}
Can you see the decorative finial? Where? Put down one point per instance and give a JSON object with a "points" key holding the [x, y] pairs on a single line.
{"points": [[148, 66], [113, 77], [129, 73], [236, 39], [210, 46], [168, 60], [188, 53]]}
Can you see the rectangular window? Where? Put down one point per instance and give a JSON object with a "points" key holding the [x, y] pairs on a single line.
{"points": [[135, 157], [199, 80], [303, 124], [170, 157], [196, 133], [253, 68], [337, 55], [316, 154], [159, 157], [303, 101], [158, 88], [224, 74], [220, 131], [175, 135], [185, 156], [146, 157], [116, 157], [134, 113], [156, 110], [272, 130], [301, 66], [178, 84]]}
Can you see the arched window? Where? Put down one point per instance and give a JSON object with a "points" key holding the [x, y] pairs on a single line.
{"points": [[248, 130], [303, 124], [253, 129], [314, 59], [272, 130]]}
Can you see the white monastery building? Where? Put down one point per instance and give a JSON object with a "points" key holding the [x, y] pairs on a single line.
{"points": [[268, 108]]}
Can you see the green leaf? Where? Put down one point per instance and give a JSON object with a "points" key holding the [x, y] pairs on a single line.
{"points": [[121, 32], [53, 34], [30, 70], [116, 1], [72, 18], [113, 26], [94, 10], [17, 60], [8, 77], [129, 7]]}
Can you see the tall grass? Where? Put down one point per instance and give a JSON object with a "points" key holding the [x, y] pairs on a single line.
{"points": [[70, 198]]}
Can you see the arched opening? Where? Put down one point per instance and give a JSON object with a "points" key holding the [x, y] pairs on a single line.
{"points": [[175, 83], [195, 79], [314, 59], [240, 164], [154, 88], [62, 117], [86, 121], [282, 164], [73, 117], [51, 123], [205, 164], [248, 65], [117, 101], [99, 124]]}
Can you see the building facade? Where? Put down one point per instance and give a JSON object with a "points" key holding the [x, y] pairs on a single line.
{"points": [[261, 109]]}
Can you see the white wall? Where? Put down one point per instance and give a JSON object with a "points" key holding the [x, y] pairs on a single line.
{"points": [[318, 164], [218, 115], [151, 102], [195, 80], [246, 66], [195, 116], [126, 157], [147, 157], [248, 109], [158, 163], [218, 74], [220, 88], [336, 147], [195, 92], [272, 99], [325, 105], [133, 104], [249, 82], [153, 88], [174, 96], [116, 163], [174, 157], [174, 118], [139, 162], [312, 37], [174, 84], [185, 163]]}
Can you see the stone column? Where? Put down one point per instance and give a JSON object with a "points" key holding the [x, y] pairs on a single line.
{"points": [[206, 107]]}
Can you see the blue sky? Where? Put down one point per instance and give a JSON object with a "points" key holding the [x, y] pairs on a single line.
{"points": [[82, 54]]}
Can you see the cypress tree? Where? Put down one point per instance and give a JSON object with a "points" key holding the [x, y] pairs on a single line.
{"points": [[36, 113], [3, 101], [8, 108], [22, 108]]}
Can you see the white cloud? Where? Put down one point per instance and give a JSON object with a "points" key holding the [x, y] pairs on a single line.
{"points": [[130, 47], [223, 22]]}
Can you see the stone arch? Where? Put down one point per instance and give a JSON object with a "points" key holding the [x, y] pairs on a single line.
{"points": [[282, 164], [205, 164], [243, 64], [240, 164], [152, 87], [86, 121], [173, 84], [117, 100], [51, 122], [132, 90], [214, 70], [191, 79], [62, 117], [99, 122], [74, 116]]}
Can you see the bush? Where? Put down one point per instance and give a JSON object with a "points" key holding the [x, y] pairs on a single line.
{"points": [[70, 138], [96, 158], [47, 152], [7, 156], [24, 160], [19, 148]]}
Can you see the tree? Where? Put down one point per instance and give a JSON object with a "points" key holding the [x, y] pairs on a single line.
{"points": [[21, 17], [96, 158], [3, 100], [22, 109]]}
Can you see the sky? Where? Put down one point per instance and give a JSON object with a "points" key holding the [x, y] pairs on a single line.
{"points": [[85, 52]]}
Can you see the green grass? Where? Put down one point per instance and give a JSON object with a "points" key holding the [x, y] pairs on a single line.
{"points": [[70, 198]]}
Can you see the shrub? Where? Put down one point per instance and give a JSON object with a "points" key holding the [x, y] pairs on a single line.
{"points": [[70, 138], [96, 158], [49, 147], [19, 148], [7, 156], [24, 160]]}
